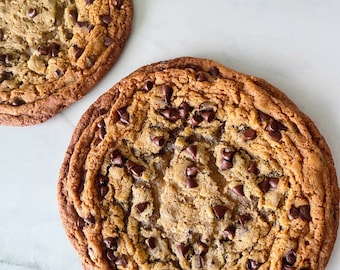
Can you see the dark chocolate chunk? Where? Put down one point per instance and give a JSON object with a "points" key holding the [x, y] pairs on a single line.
{"points": [[123, 116], [5, 59], [192, 171], [74, 14], [117, 158], [290, 258], [77, 52], [184, 110], [117, 3], [305, 212], [273, 182], [43, 50], [151, 242], [264, 185], [190, 182], [229, 232], [103, 179], [137, 170], [103, 190], [106, 19], [110, 243], [54, 49], [201, 77], [219, 211], [110, 255], [226, 164], [183, 249], [2, 34], [192, 150], [252, 265], [252, 168], [275, 135], [58, 73], [80, 222], [148, 85], [167, 92], [102, 129], [141, 206], [170, 114], [195, 119], [108, 41], [89, 220], [121, 260], [17, 100], [263, 116], [202, 248], [227, 154], [294, 212], [249, 134], [158, 140], [208, 115], [238, 190], [242, 219], [32, 12], [214, 71]]}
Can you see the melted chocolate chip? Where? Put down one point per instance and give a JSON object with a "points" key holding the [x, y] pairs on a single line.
{"points": [[263, 116], [273, 182], [249, 134], [192, 150], [302, 211], [219, 211], [252, 265], [141, 206], [32, 12], [184, 110], [183, 249], [158, 140], [201, 77], [229, 232], [108, 41], [294, 212], [190, 182], [148, 85], [77, 52], [196, 119], [208, 115], [264, 185], [238, 190], [117, 158], [151, 242], [167, 92], [242, 219], [106, 19], [252, 168], [123, 116]]}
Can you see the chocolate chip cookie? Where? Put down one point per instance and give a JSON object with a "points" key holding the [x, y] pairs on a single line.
{"points": [[53, 52], [186, 164]]}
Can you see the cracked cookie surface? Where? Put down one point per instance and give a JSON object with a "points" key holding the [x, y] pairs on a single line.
{"points": [[186, 164], [53, 52]]}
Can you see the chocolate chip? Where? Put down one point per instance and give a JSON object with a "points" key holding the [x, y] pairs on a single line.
{"points": [[288, 267], [275, 135], [192, 171], [151, 242], [80, 222], [184, 110], [170, 114], [54, 49], [102, 129], [167, 92], [106, 19], [252, 168], [148, 85], [294, 212], [137, 170], [219, 211], [192, 150], [5, 59], [263, 116], [214, 71], [202, 248], [77, 52], [290, 258], [121, 260], [305, 212], [264, 185], [43, 50], [242, 219], [141, 206], [227, 154], [226, 165], [117, 3], [158, 140], [58, 73], [89, 2], [103, 179], [183, 249], [117, 158], [249, 134], [208, 115], [190, 182], [201, 77], [103, 190], [123, 116], [89, 62], [238, 190], [273, 182], [196, 119], [111, 243], [32, 12], [17, 100], [74, 14], [229, 232], [110, 255], [108, 41], [89, 220], [201, 261], [2, 34], [272, 125], [252, 265]]}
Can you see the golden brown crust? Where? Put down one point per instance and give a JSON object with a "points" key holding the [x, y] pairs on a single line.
{"points": [[44, 83], [297, 213]]}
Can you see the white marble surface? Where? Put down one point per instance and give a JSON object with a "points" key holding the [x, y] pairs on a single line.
{"points": [[295, 45]]}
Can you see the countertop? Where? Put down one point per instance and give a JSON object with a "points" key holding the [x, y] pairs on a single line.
{"points": [[294, 45]]}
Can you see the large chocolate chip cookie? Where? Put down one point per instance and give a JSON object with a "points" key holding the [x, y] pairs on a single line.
{"points": [[53, 52], [186, 164]]}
